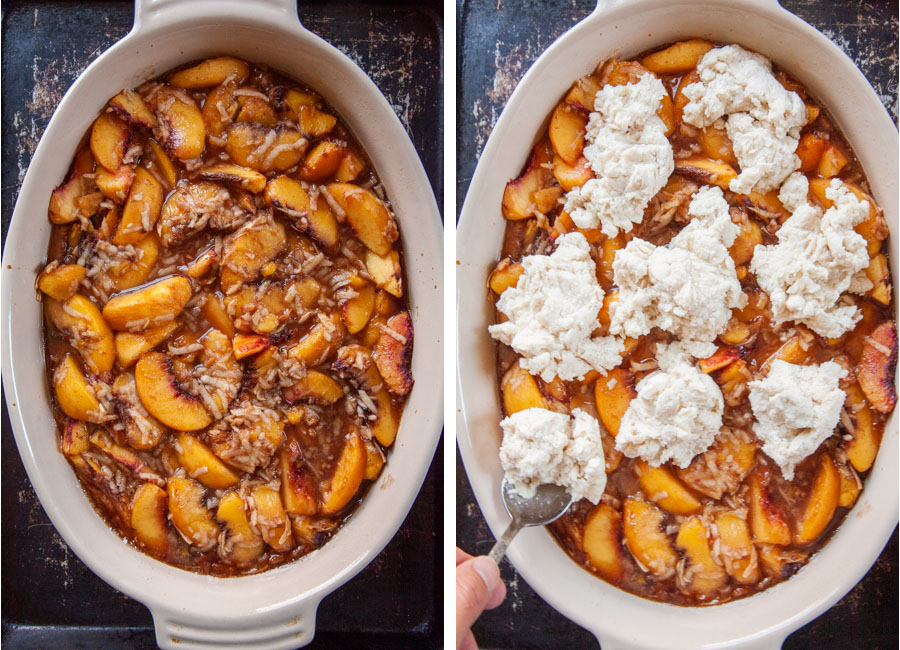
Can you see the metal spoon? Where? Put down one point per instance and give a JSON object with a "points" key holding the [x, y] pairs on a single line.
{"points": [[548, 504]]}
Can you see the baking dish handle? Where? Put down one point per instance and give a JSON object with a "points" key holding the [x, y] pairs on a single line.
{"points": [[768, 642], [604, 5], [283, 629], [147, 12]]}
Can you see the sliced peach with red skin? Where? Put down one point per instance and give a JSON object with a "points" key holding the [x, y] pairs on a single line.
{"points": [[767, 520], [877, 366], [75, 438], [246, 345], [150, 517], [645, 538], [567, 129], [110, 136], [347, 477], [602, 541], [518, 202], [719, 360], [298, 490], [160, 300], [367, 216], [210, 73], [63, 207], [141, 209], [189, 514], [130, 106], [393, 354], [164, 398], [612, 395], [821, 502]]}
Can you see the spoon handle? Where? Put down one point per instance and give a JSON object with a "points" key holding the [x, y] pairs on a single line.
{"points": [[499, 549]]}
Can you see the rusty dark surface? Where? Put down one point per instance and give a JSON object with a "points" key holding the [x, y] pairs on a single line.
{"points": [[50, 599], [498, 42]]}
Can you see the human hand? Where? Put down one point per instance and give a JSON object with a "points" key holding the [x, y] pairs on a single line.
{"points": [[478, 587]]}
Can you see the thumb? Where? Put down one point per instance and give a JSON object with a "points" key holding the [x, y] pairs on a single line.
{"points": [[475, 580]]}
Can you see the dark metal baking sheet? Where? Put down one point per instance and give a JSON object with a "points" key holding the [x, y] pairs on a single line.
{"points": [[498, 41], [49, 598]]}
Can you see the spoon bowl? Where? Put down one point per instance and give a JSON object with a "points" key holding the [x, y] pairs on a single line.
{"points": [[549, 503]]}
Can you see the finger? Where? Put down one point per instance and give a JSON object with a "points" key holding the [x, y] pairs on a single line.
{"points": [[467, 642], [475, 581], [461, 556], [498, 594]]}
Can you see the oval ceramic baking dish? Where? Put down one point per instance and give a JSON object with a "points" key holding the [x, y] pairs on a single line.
{"points": [[275, 609], [624, 29]]}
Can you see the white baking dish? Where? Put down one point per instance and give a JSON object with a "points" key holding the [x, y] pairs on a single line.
{"points": [[275, 609], [619, 28]]}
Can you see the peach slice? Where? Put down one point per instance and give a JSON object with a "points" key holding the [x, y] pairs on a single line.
{"points": [[866, 438], [707, 577], [387, 420], [219, 109], [505, 275], [75, 395], [181, 128], [385, 271], [141, 209], [767, 520], [602, 542], [583, 92], [271, 520], [832, 161], [61, 282], [719, 360], [130, 106], [122, 455], [315, 123], [720, 469], [115, 185], [156, 302], [367, 216], [821, 503], [89, 204], [877, 365], [520, 391], [518, 202], [222, 368], [374, 461], [809, 150], [567, 128], [298, 491], [150, 517], [211, 72], [247, 179], [203, 263], [131, 274], [248, 249], [850, 486], [320, 342], [574, 175], [265, 149], [791, 351], [109, 141], [737, 550], [63, 207], [164, 398], [357, 311], [704, 170], [677, 58], [213, 310], [246, 345], [193, 206], [350, 167], [190, 515], [316, 387], [83, 324], [347, 477], [203, 465], [313, 218], [256, 110], [662, 488], [321, 162], [141, 430], [778, 561], [75, 438], [612, 395], [393, 353], [162, 165], [645, 538], [355, 363], [289, 101], [880, 276], [748, 238]]}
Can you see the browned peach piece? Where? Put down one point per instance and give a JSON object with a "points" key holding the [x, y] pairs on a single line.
{"points": [[82, 322], [736, 548], [203, 465], [662, 488], [312, 218], [315, 123], [190, 515], [122, 455], [393, 353], [602, 541], [298, 491], [210, 73], [248, 249], [150, 517], [243, 544], [792, 351], [612, 395], [115, 185], [505, 275], [141, 430], [63, 207], [706, 576], [704, 170], [567, 129], [866, 438], [137, 309], [75, 438], [141, 209], [164, 398], [215, 314], [109, 141], [517, 197], [271, 520], [520, 391], [778, 561], [387, 420], [256, 109], [347, 477], [219, 109], [385, 271], [681, 99], [61, 282], [851, 486], [74, 392], [748, 238], [350, 167], [678, 58], [181, 127], [367, 216], [719, 360], [255, 146], [130, 106], [374, 461], [767, 520], [162, 165], [289, 101], [583, 92], [248, 179], [646, 539], [821, 502], [315, 387], [246, 345], [321, 162], [721, 468], [877, 366], [357, 310], [547, 199]]}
